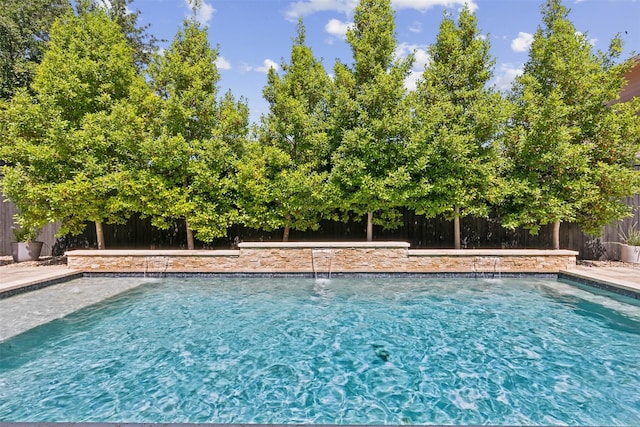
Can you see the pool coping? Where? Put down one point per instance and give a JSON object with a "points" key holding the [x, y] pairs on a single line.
{"points": [[47, 276], [597, 281], [36, 278]]}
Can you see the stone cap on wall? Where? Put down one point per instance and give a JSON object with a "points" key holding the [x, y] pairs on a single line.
{"points": [[321, 245], [492, 252], [151, 253]]}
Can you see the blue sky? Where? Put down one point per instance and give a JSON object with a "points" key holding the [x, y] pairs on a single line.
{"points": [[253, 35]]}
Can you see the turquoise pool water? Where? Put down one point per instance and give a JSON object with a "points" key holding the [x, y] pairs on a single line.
{"points": [[348, 351]]}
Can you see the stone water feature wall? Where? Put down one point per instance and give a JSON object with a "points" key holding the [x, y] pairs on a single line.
{"points": [[322, 258]]}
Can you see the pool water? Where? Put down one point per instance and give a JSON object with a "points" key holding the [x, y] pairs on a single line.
{"points": [[345, 351]]}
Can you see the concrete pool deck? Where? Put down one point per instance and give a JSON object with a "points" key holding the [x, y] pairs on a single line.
{"points": [[624, 280], [16, 279]]}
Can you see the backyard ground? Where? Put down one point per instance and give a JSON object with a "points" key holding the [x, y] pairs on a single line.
{"points": [[7, 260]]}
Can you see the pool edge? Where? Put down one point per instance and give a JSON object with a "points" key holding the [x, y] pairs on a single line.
{"points": [[600, 283]]}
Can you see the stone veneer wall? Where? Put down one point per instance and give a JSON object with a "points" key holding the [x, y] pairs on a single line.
{"points": [[322, 257], [491, 261]]}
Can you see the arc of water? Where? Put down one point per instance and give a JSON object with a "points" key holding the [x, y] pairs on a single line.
{"points": [[328, 260], [166, 267]]}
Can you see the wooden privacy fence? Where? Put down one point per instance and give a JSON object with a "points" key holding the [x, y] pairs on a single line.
{"points": [[7, 225], [611, 235], [420, 232]]}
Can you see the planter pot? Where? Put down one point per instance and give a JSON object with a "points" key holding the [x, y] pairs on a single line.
{"points": [[26, 251], [630, 254]]}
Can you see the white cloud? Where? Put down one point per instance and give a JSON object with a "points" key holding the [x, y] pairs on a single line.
{"points": [[222, 63], [506, 75], [522, 42], [205, 13], [421, 60], [107, 5], [308, 7], [337, 28], [266, 65], [415, 27], [423, 5], [420, 52], [592, 41], [411, 82]]}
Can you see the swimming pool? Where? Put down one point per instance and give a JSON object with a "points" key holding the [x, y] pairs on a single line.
{"points": [[346, 351]]}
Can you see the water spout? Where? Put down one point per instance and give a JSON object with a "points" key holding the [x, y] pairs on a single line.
{"points": [[321, 262], [487, 265]]}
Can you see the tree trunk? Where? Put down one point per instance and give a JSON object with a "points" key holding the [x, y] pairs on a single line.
{"points": [[190, 244], [556, 235], [100, 235], [456, 227], [285, 235], [369, 226]]}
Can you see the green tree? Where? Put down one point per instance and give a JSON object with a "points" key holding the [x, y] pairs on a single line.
{"points": [[370, 120], [144, 45], [571, 152], [284, 181], [194, 140], [24, 34], [67, 147], [274, 192], [458, 117]]}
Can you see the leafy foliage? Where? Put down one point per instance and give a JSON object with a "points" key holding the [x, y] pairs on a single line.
{"points": [[283, 180], [26, 234], [456, 159], [193, 141], [24, 34], [67, 148], [144, 45], [89, 140], [370, 120], [571, 152]]}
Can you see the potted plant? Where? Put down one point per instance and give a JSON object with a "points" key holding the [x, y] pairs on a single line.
{"points": [[26, 248], [630, 251]]}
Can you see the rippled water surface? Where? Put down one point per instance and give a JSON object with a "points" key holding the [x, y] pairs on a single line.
{"points": [[347, 351]]}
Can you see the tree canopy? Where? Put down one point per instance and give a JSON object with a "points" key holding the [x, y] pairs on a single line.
{"points": [[284, 184], [571, 152], [143, 44], [457, 164], [24, 34], [193, 139], [95, 125], [370, 120], [67, 146]]}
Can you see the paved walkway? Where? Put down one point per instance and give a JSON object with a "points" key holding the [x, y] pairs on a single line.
{"points": [[15, 277], [627, 278]]}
